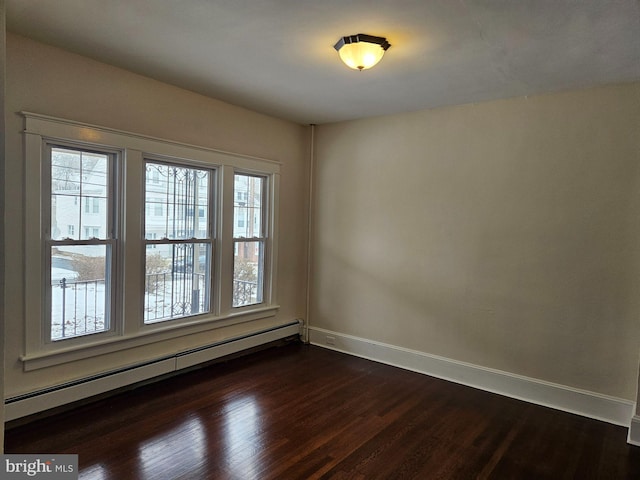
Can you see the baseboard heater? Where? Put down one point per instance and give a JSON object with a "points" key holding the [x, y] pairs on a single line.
{"points": [[41, 400]]}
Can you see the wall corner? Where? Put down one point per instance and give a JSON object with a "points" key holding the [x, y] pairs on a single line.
{"points": [[634, 431]]}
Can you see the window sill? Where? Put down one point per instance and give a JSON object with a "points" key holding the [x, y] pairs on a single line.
{"points": [[160, 332]]}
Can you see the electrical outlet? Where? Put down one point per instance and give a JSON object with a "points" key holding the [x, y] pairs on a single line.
{"points": [[331, 340]]}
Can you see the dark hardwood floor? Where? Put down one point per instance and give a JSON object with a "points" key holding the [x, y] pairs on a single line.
{"points": [[301, 412]]}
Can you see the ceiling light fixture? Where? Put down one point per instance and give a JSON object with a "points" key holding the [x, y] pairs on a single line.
{"points": [[361, 51]]}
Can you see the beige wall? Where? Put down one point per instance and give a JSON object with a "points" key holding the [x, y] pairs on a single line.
{"points": [[503, 234], [50, 81]]}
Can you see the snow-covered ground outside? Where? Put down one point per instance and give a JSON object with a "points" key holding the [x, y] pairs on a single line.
{"points": [[81, 304]]}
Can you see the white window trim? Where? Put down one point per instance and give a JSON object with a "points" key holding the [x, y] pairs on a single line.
{"points": [[264, 237], [131, 330]]}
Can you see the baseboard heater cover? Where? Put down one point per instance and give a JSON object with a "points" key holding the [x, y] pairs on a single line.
{"points": [[41, 400]]}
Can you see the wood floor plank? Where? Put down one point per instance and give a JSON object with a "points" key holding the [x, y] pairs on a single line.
{"points": [[303, 412]]}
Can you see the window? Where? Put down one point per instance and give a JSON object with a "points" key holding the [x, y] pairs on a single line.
{"points": [[92, 232], [248, 260], [81, 269], [241, 196], [158, 211], [177, 272], [92, 205], [119, 263]]}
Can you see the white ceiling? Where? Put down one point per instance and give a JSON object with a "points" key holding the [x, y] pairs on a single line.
{"points": [[277, 56]]}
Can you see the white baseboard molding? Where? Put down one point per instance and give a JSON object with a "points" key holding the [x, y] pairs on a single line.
{"points": [[585, 403], [39, 401], [634, 431]]}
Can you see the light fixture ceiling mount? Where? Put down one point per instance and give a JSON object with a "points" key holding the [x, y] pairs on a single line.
{"points": [[361, 51]]}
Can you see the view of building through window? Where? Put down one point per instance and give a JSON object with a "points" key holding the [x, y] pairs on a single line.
{"points": [[80, 245], [178, 241], [178, 236], [249, 240]]}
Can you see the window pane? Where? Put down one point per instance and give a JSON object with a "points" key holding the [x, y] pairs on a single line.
{"points": [[175, 196], [79, 193], [176, 281], [248, 206], [79, 296], [248, 270]]}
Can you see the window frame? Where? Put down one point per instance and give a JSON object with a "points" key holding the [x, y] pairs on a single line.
{"points": [[210, 238], [112, 239], [129, 329], [263, 239]]}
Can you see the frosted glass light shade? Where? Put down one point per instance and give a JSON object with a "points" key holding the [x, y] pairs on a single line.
{"points": [[361, 51]]}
